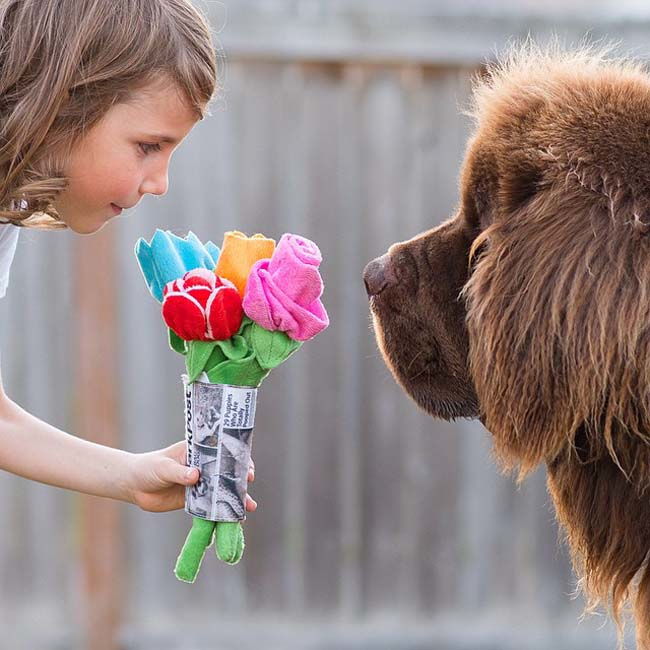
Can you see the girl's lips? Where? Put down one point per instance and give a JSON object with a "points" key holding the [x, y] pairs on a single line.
{"points": [[116, 208]]}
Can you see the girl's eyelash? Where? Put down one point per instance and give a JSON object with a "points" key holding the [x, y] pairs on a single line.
{"points": [[148, 148]]}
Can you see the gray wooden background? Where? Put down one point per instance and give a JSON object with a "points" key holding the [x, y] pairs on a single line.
{"points": [[378, 527]]}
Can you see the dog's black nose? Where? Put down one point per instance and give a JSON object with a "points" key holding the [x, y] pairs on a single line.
{"points": [[377, 275]]}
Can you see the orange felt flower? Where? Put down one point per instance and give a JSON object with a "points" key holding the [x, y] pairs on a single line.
{"points": [[239, 253]]}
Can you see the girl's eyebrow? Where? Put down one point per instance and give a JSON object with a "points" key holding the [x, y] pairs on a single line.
{"points": [[162, 138]]}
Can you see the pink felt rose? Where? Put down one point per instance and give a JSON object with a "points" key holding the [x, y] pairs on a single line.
{"points": [[202, 307], [283, 292]]}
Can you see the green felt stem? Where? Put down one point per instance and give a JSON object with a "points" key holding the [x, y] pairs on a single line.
{"points": [[229, 541], [191, 556]]}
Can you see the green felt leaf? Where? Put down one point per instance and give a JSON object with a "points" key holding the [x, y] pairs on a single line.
{"points": [[234, 348], [242, 372], [215, 359], [272, 348], [176, 343], [245, 323], [198, 354]]}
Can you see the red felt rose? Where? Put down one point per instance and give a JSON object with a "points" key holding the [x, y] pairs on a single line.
{"points": [[201, 306]]}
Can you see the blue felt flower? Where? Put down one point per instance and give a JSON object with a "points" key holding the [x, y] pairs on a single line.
{"points": [[169, 257]]}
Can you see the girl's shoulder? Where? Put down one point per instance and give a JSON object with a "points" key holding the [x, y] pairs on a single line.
{"points": [[8, 235], [8, 240]]}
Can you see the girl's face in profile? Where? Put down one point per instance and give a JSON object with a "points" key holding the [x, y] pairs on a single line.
{"points": [[125, 156]]}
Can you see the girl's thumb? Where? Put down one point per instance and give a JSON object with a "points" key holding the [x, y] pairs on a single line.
{"points": [[174, 472], [190, 475]]}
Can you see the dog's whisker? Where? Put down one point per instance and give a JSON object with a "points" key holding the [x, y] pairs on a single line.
{"points": [[425, 369], [414, 360]]}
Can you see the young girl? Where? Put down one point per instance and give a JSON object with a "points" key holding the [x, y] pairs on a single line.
{"points": [[95, 96]]}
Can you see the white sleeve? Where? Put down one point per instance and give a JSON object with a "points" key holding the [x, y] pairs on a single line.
{"points": [[8, 241]]}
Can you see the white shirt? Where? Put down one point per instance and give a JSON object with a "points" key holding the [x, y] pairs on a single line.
{"points": [[8, 241]]}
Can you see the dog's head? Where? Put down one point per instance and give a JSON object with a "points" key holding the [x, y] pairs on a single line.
{"points": [[499, 311], [530, 307]]}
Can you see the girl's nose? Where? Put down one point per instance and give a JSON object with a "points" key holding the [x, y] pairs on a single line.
{"points": [[157, 185]]}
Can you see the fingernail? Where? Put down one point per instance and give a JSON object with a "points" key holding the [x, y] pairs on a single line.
{"points": [[189, 473]]}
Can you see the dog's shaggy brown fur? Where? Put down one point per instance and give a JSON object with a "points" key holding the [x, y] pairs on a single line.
{"points": [[530, 308]]}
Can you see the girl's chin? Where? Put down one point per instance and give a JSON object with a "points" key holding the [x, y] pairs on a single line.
{"points": [[87, 225]]}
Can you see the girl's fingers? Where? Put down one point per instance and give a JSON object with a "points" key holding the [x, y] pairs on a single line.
{"points": [[251, 472], [251, 504]]}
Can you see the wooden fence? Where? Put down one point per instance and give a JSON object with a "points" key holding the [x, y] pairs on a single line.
{"points": [[378, 527]]}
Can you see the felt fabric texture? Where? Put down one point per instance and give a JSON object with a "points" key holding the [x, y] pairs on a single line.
{"points": [[243, 372], [206, 356], [283, 293], [168, 257], [271, 348], [239, 253], [176, 343], [191, 555], [243, 360], [202, 307], [229, 541]]}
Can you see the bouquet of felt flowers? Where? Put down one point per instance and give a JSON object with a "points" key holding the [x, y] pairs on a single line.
{"points": [[235, 314]]}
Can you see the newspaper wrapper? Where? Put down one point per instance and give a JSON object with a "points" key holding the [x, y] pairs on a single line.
{"points": [[219, 422]]}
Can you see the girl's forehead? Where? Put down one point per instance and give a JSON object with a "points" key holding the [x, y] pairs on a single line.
{"points": [[162, 108]]}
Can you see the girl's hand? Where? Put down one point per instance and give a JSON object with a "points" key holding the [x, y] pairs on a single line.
{"points": [[157, 479]]}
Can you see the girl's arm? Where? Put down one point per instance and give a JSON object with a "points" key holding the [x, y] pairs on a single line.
{"points": [[36, 450], [155, 481]]}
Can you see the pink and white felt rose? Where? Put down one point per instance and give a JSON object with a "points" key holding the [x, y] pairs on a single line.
{"points": [[201, 306], [283, 292]]}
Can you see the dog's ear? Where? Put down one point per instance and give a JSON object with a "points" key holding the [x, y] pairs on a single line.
{"points": [[493, 187], [479, 184], [521, 179]]}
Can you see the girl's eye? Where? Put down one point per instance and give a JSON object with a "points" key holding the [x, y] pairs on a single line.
{"points": [[149, 148]]}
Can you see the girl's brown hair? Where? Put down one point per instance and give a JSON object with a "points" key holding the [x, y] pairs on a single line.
{"points": [[65, 63]]}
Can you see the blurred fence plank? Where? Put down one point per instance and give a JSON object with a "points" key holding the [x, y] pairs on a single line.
{"points": [[385, 32], [97, 417]]}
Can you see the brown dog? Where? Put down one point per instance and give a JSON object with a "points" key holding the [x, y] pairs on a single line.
{"points": [[530, 307]]}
